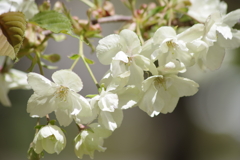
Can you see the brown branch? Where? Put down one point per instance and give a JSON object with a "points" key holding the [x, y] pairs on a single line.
{"points": [[115, 18]]}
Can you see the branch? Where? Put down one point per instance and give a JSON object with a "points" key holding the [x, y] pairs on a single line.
{"points": [[115, 18]]}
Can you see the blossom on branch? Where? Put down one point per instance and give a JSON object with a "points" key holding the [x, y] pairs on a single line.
{"points": [[49, 138], [162, 92], [89, 140], [110, 115], [207, 7], [123, 52], [61, 97]]}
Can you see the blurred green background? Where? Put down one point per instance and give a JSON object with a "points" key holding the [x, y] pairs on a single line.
{"points": [[202, 127]]}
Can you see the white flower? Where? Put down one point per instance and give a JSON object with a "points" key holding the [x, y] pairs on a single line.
{"points": [[207, 7], [110, 116], [128, 96], [172, 46], [49, 138], [13, 79], [123, 53], [219, 28], [161, 93], [89, 140], [60, 97], [218, 35]]}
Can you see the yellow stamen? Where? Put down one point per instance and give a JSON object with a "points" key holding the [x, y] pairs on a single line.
{"points": [[61, 93]]}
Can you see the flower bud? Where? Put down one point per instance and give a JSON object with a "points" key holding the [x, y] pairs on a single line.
{"points": [[90, 140], [49, 138]]}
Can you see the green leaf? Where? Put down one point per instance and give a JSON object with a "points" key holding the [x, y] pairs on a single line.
{"points": [[39, 127], [13, 26], [52, 122], [53, 21], [52, 57], [91, 95], [89, 61], [74, 56], [155, 11]]}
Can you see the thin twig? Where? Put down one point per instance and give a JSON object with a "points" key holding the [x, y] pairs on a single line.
{"points": [[115, 18]]}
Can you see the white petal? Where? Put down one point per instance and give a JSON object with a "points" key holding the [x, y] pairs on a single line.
{"points": [[68, 79], [192, 33], [147, 102], [184, 86], [41, 85], [100, 131], [184, 56], [38, 146], [63, 116], [108, 101], [18, 80], [48, 145], [128, 97], [215, 57], [118, 116], [82, 119], [232, 18], [106, 120], [119, 64], [172, 67], [225, 31], [162, 33], [136, 78], [148, 48], [148, 82], [130, 42], [107, 48], [40, 106], [111, 120], [170, 105], [145, 64], [81, 103], [230, 43]]}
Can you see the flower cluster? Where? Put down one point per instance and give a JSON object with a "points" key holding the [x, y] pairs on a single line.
{"points": [[143, 74]]}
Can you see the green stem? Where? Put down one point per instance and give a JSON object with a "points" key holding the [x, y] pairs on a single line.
{"points": [[139, 34], [81, 55], [39, 63]]}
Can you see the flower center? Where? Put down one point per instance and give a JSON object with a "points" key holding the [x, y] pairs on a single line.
{"points": [[61, 93], [171, 45], [52, 138], [160, 82], [130, 60]]}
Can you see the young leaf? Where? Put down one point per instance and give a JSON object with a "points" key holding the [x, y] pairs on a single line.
{"points": [[74, 56], [91, 95], [154, 11], [52, 57], [89, 61], [53, 21], [13, 26]]}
